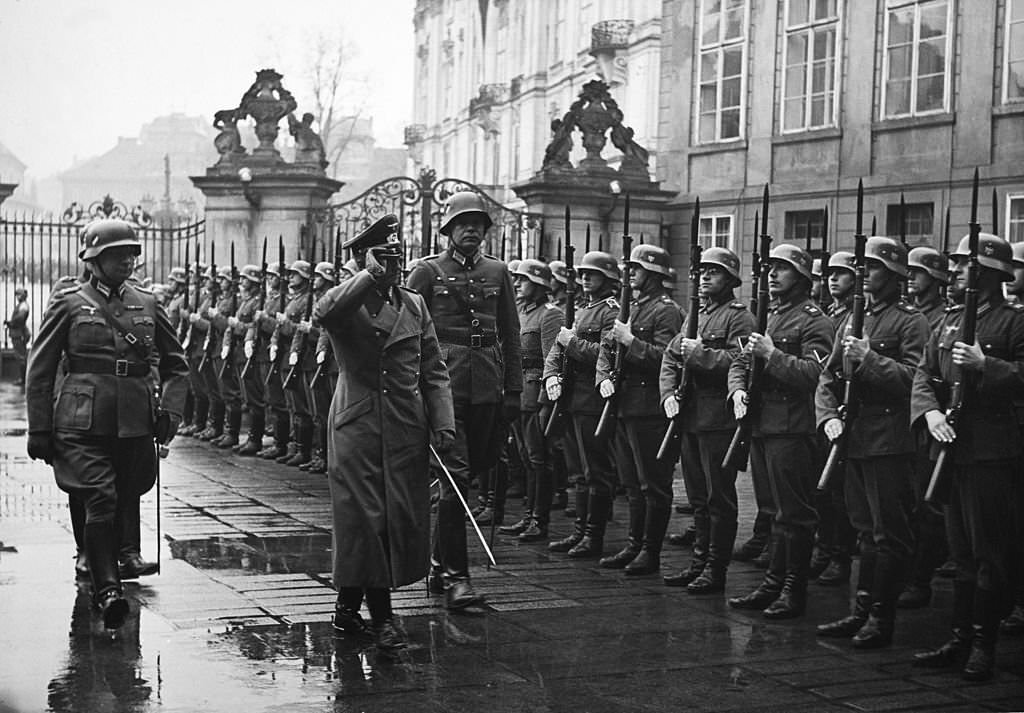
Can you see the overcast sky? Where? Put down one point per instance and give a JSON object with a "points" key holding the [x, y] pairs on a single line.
{"points": [[76, 74]]}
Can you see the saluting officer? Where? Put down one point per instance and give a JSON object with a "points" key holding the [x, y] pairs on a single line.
{"points": [[783, 443], [706, 422], [250, 384], [471, 299], [393, 399], [98, 433], [263, 345], [929, 274], [539, 322], [879, 442], [300, 275], [986, 451], [599, 277], [654, 319]]}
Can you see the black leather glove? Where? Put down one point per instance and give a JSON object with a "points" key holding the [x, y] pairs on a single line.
{"points": [[40, 446], [443, 440], [512, 407]]}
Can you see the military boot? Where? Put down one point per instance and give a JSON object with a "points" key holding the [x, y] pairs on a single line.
{"points": [[592, 544], [579, 525], [955, 651], [792, 601], [637, 516], [849, 625], [981, 661], [282, 431], [101, 543], [888, 582], [128, 524], [254, 442], [519, 527], [688, 575], [771, 586], [710, 581], [648, 561], [303, 444], [230, 436]]}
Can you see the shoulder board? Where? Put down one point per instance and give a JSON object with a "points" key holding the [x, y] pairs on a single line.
{"points": [[550, 305], [811, 309], [70, 290], [907, 307], [954, 308], [737, 305], [665, 299], [612, 302]]}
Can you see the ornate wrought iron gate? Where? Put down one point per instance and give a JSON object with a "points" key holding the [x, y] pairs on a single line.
{"points": [[419, 205]]}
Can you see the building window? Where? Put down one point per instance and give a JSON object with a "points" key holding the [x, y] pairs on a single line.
{"points": [[722, 85], [804, 227], [1015, 219], [716, 231], [1013, 69], [811, 71], [917, 56], [919, 222]]}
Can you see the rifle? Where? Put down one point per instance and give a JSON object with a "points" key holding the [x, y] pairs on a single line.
{"points": [[944, 289], [847, 409], [620, 352], [903, 241], [565, 373], [189, 332], [962, 381], [226, 363], [303, 337], [338, 252], [282, 293], [691, 325], [824, 298], [755, 269], [214, 293], [183, 326], [739, 447], [262, 305]]}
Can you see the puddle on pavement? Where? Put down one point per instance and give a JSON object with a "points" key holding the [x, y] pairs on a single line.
{"points": [[308, 554]]}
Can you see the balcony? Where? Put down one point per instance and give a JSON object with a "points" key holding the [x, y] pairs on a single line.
{"points": [[488, 96], [610, 35], [415, 134]]}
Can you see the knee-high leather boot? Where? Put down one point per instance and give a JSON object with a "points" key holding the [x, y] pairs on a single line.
{"points": [[592, 544], [954, 651], [648, 560], [101, 541], [254, 443], [637, 516], [579, 525]]}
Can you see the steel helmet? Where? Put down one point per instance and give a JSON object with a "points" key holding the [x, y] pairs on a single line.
{"points": [[107, 233], [224, 272], [535, 271], [800, 259], [725, 259], [302, 267], [251, 273], [930, 261], [651, 257], [889, 252], [208, 272], [325, 270], [464, 203], [816, 268], [993, 252], [559, 271], [512, 265], [177, 274], [276, 268], [1018, 254], [598, 261], [842, 260]]}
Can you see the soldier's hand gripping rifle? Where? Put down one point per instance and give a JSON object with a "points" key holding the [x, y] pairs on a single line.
{"points": [[208, 345], [230, 342], [962, 382], [691, 326], [847, 409], [303, 337], [282, 294], [565, 374], [739, 447], [262, 306], [620, 351]]}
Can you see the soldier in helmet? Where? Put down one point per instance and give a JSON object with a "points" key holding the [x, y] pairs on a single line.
{"points": [[226, 381], [18, 331], [928, 276], [471, 299], [783, 443], [317, 396], [192, 343], [654, 320], [706, 422], [300, 277], [599, 278], [393, 400], [249, 382], [97, 426], [201, 336], [176, 282], [986, 451], [1013, 625], [262, 344], [879, 441], [561, 458], [539, 322]]}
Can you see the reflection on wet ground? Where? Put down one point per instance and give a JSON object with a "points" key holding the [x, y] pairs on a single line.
{"points": [[239, 621]]}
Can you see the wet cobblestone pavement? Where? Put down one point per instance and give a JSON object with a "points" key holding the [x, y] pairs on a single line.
{"points": [[238, 620]]}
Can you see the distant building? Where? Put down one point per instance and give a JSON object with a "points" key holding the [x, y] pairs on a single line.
{"points": [[357, 160], [490, 76], [12, 172]]}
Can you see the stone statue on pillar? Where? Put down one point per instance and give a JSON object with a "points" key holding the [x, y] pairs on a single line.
{"points": [[309, 147], [228, 141], [267, 102]]}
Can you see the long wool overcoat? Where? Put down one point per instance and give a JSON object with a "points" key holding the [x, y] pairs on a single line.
{"points": [[392, 393]]}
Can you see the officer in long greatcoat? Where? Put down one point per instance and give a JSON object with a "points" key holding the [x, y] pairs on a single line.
{"points": [[97, 426], [393, 399]]}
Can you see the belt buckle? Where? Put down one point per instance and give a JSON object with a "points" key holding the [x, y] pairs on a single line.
{"points": [[476, 340], [121, 367]]}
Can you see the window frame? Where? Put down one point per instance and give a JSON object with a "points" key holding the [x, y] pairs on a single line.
{"points": [[715, 218], [913, 239], [837, 74], [947, 71], [1006, 99], [718, 47], [1010, 198]]}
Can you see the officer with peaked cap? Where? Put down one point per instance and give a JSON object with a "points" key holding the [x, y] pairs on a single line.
{"points": [[97, 427], [706, 423], [879, 441], [471, 299], [599, 278], [654, 319], [392, 401], [783, 450], [986, 451]]}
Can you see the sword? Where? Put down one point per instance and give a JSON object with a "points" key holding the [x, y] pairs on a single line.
{"points": [[465, 505]]}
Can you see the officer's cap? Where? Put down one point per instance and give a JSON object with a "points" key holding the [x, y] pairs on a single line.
{"points": [[382, 232]]}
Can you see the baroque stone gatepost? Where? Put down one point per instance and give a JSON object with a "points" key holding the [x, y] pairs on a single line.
{"points": [[257, 194], [594, 190]]}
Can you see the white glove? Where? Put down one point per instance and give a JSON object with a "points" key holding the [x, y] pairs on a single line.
{"points": [[248, 349], [293, 359]]}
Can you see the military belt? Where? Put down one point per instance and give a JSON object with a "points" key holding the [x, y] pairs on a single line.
{"points": [[476, 341], [117, 367]]}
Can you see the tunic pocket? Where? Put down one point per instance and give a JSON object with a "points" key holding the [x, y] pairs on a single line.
{"points": [[350, 413], [74, 408]]}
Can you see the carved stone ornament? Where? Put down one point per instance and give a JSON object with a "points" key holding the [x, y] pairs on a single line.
{"points": [[267, 102], [228, 142]]}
